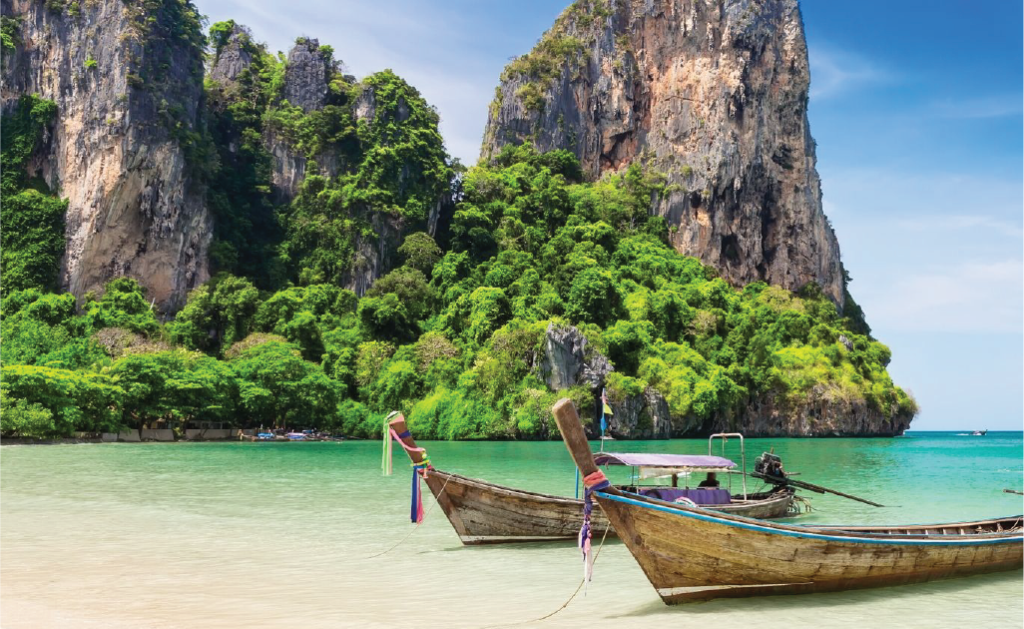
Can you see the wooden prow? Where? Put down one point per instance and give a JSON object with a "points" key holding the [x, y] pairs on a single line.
{"points": [[574, 437], [399, 426]]}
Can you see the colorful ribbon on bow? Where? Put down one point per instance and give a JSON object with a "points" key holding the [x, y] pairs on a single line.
{"points": [[385, 461], [592, 482], [419, 469], [416, 506]]}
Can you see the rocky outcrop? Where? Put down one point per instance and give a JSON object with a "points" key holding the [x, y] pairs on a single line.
{"points": [[711, 93], [306, 75], [309, 72], [567, 361], [820, 415], [233, 57], [373, 256], [127, 94], [643, 416], [289, 167], [306, 78]]}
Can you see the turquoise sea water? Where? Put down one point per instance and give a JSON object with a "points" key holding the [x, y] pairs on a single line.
{"points": [[281, 535]]}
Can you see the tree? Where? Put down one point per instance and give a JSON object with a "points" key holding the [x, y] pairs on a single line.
{"points": [[397, 386], [387, 317], [410, 286], [123, 305], [217, 315], [420, 252], [18, 418], [489, 311], [278, 388], [42, 329], [302, 314], [77, 400], [32, 241], [627, 343], [593, 297], [175, 385], [395, 305]]}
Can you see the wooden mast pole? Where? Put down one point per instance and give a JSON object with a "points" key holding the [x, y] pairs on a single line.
{"points": [[574, 437]]}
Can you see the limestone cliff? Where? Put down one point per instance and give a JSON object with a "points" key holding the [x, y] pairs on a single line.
{"points": [[712, 93], [127, 81], [307, 75], [314, 87]]}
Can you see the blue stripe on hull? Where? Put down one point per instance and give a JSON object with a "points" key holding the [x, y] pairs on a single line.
{"points": [[831, 538]]}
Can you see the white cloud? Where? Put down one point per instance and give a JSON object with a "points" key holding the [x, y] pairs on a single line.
{"points": [[834, 72], [938, 252], [961, 297], [976, 108], [960, 223]]}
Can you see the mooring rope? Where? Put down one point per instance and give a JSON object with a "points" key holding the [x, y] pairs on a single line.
{"points": [[418, 524], [799, 501], [569, 600]]}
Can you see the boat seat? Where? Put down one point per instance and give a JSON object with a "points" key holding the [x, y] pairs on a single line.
{"points": [[700, 496]]}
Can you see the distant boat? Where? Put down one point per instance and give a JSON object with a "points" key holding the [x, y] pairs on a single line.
{"points": [[979, 433]]}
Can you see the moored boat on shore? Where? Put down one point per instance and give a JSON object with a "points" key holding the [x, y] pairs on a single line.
{"points": [[486, 513], [689, 553]]}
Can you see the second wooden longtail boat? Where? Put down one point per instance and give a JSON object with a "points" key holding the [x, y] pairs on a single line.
{"points": [[485, 513], [691, 554]]}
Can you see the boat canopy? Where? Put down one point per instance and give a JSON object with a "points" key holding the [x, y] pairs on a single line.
{"points": [[678, 461]]}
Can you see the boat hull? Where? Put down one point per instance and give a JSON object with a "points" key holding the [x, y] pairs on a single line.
{"points": [[693, 554], [485, 513]]}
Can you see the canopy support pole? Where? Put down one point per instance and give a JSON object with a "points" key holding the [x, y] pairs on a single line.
{"points": [[743, 453]]}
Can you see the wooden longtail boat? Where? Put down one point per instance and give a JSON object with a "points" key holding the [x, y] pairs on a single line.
{"points": [[485, 513], [695, 554]]}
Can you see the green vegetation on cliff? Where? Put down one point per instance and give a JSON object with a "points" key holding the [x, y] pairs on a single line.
{"points": [[32, 239], [385, 161], [562, 47], [455, 336], [247, 229]]}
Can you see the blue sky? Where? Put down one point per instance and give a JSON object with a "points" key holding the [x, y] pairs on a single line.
{"points": [[916, 107]]}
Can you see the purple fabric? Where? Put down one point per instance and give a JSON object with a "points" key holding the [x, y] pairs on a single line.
{"points": [[700, 496], [661, 460]]}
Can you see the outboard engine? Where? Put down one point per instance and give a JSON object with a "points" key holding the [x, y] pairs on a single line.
{"points": [[769, 465]]}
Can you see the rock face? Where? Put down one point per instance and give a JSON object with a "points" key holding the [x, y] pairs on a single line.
{"points": [[308, 78], [125, 92], [233, 58], [567, 362], [712, 93], [820, 416], [644, 416], [306, 75]]}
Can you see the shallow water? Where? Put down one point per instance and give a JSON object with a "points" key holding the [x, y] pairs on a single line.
{"points": [[281, 535]]}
